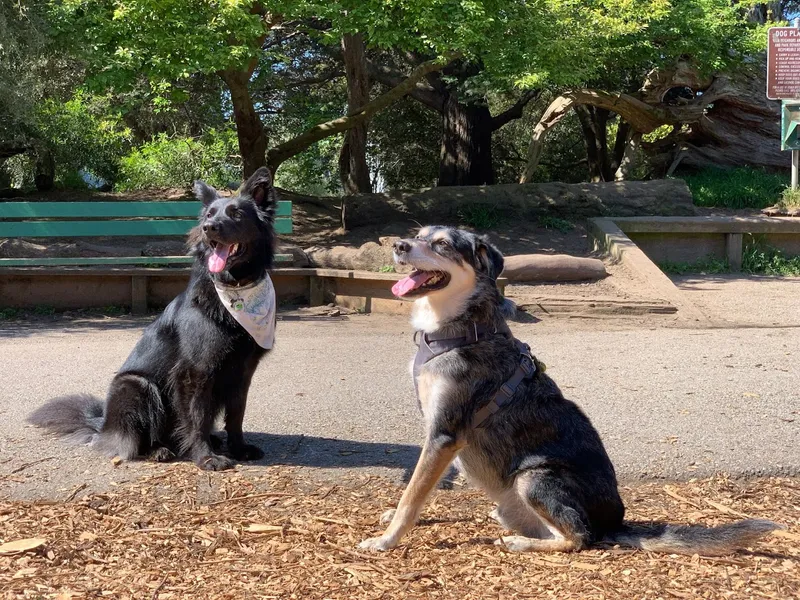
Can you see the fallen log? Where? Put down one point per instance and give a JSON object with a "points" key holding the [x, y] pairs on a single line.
{"points": [[552, 267]]}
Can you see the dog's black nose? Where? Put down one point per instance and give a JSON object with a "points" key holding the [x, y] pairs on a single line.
{"points": [[209, 227], [402, 246]]}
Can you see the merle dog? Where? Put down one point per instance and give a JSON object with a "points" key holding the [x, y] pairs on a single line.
{"points": [[196, 360], [490, 408]]}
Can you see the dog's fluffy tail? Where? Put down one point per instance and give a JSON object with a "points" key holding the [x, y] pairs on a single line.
{"points": [[78, 418], [693, 539]]}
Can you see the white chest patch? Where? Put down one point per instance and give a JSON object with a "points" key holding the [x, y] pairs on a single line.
{"points": [[253, 307]]}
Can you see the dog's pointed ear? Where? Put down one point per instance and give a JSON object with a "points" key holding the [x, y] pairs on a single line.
{"points": [[259, 188], [488, 258], [204, 192]]}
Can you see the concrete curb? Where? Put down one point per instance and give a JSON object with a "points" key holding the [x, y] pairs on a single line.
{"points": [[607, 237]]}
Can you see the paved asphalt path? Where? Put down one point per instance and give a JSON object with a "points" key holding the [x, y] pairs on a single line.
{"points": [[336, 394]]}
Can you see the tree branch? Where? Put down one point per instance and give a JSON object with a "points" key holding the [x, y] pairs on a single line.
{"points": [[282, 152], [515, 111], [422, 92]]}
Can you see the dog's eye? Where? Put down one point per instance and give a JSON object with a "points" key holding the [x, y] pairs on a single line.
{"points": [[211, 212], [442, 243]]}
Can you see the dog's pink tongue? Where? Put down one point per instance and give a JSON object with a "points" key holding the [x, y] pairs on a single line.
{"points": [[218, 258], [412, 282]]}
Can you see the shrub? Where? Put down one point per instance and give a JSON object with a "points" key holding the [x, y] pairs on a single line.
{"points": [[177, 161]]}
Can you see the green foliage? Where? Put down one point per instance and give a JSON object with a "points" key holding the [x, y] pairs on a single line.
{"points": [[790, 198], [706, 266], [480, 215], [177, 161], [759, 258], [9, 314], [386, 269], [84, 133], [736, 188], [550, 222]]}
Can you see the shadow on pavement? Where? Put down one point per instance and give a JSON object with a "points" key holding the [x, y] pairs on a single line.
{"points": [[59, 324], [309, 451]]}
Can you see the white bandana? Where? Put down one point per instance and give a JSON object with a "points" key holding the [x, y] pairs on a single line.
{"points": [[253, 307]]}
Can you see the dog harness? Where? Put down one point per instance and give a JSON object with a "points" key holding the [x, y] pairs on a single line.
{"points": [[253, 307], [431, 345]]}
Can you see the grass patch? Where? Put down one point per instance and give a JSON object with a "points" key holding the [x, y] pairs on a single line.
{"points": [[561, 225], [760, 259], [706, 266], [736, 188], [386, 269], [480, 216]]}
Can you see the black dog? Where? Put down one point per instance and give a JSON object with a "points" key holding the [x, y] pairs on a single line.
{"points": [[196, 360]]}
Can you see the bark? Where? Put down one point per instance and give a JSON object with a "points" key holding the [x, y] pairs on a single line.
{"points": [[296, 145], [624, 135], [353, 169], [466, 154], [249, 128], [628, 162]]}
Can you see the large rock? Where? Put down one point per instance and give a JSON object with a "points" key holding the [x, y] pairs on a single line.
{"points": [[552, 267], [448, 205]]}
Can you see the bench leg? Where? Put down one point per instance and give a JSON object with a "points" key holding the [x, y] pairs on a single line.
{"points": [[138, 295], [733, 250], [316, 291]]}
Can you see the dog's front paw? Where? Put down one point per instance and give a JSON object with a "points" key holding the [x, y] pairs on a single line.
{"points": [[247, 452], [215, 462], [387, 517], [495, 515], [162, 454], [378, 544]]}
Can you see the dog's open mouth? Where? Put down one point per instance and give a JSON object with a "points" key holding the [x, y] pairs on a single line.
{"points": [[420, 282], [220, 253]]}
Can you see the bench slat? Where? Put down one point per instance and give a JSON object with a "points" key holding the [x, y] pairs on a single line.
{"points": [[167, 227], [46, 210], [111, 260]]}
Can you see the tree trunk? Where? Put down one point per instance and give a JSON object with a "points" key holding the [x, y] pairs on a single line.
{"points": [[591, 140], [249, 128], [466, 156], [44, 174], [353, 169], [620, 145], [628, 161]]}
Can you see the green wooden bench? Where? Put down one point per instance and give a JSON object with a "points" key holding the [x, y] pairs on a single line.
{"points": [[102, 219]]}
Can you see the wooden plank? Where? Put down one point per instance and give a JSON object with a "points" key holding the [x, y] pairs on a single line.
{"points": [[92, 210], [711, 224], [111, 260], [165, 227]]}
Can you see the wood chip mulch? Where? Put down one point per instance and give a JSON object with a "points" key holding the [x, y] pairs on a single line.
{"points": [[277, 533]]}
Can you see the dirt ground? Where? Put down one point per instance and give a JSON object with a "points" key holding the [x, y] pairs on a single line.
{"points": [[182, 533]]}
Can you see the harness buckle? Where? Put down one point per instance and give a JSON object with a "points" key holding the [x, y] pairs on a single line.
{"points": [[527, 365], [506, 390]]}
